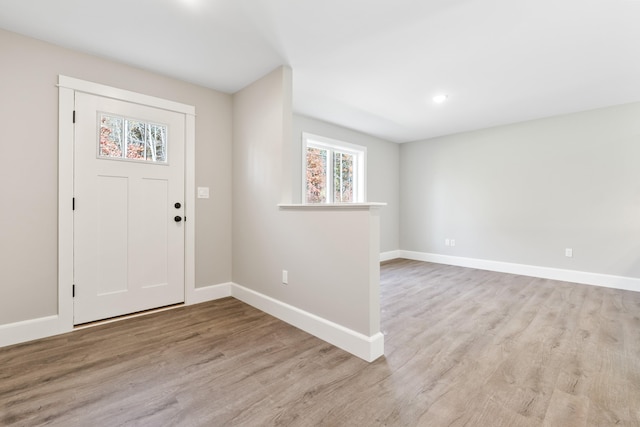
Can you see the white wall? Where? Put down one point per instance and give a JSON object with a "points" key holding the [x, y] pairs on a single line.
{"points": [[331, 255], [383, 175], [28, 177], [523, 193]]}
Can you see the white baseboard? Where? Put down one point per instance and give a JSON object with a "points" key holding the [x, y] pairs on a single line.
{"points": [[365, 347], [387, 256], [208, 293], [18, 332], [583, 277], [33, 329]]}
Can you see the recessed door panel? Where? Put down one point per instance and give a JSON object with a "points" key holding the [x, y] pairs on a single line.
{"points": [[151, 233], [111, 243]]}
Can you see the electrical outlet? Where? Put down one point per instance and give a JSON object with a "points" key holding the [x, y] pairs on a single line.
{"points": [[447, 242], [568, 252], [285, 277], [453, 242]]}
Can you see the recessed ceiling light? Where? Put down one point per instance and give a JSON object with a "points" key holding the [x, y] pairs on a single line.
{"points": [[439, 99]]}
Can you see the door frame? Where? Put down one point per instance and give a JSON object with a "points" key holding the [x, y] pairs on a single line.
{"points": [[68, 86]]}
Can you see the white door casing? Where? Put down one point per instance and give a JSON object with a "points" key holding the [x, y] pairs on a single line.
{"points": [[69, 87], [128, 249]]}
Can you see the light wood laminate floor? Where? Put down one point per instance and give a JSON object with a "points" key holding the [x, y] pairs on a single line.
{"points": [[463, 347]]}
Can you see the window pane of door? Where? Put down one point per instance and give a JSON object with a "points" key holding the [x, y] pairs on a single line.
{"points": [[157, 143], [110, 141], [136, 139]]}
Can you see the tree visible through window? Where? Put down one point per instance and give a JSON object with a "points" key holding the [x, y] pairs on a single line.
{"points": [[333, 171], [316, 175], [343, 166], [132, 139]]}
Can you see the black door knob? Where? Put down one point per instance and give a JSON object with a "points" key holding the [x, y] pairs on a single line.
{"points": [[177, 218], [177, 205]]}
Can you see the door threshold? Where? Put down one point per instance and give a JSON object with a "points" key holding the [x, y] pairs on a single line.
{"points": [[126, 316]]}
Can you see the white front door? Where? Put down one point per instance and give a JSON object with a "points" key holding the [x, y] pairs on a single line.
{"points": [[129, 208]]}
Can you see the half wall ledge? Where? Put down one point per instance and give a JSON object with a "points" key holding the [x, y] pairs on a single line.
{"points": [[332, 206]]}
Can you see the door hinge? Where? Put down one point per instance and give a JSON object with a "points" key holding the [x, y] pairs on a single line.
{"points": [[74, 116], [73, 291], [73, 204]]}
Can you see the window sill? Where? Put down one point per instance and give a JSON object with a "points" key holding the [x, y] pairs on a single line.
{"points": [[332, 206]]}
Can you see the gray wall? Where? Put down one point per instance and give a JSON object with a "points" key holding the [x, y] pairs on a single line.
{"points": [[523, 193], [331, 255], [28, 177], [383, 175]]}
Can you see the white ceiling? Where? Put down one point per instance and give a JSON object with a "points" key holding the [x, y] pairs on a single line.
{"points": [[371, 65]]}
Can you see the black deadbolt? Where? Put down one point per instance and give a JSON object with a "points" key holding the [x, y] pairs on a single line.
{"points": [[177, 218], [177, 205]]}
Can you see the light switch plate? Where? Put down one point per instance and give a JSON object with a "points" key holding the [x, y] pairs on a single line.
{"points": [[203, 192]]}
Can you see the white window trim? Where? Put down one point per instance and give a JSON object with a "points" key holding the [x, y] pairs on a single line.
{"points": [[360, 152]]}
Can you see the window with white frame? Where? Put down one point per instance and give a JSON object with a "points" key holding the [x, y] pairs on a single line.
{"points": [[333, 171]]}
